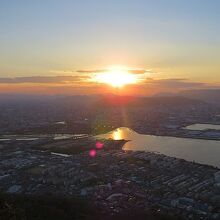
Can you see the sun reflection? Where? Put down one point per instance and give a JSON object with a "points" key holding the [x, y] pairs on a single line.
{"points": [[117, 134]]}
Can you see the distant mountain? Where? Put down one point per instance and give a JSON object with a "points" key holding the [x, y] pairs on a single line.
{"points": [[85, 101], [206, 95], [36, 99], [7, 98], [168, 101]]}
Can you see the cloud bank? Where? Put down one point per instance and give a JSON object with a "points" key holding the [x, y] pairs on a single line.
{"points": [[79, 82]]}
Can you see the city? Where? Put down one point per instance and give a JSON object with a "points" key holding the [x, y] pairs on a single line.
{"points": [[57, 161], [110, 110]]}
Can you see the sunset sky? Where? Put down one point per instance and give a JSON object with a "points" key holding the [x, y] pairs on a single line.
{"points": [[62, 46]]}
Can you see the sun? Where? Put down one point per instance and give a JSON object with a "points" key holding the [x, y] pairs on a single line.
{"points": [[116, 78]]}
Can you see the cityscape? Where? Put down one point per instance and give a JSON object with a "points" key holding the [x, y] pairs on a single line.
{"points": [[110, 110]]}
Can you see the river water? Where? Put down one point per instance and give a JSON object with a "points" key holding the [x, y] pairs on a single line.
{"points": [[202, 127], [198, 150]]}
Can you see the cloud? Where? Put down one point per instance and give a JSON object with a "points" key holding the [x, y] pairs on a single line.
{"points": [[175, 83], [43, 79], [152, 86], [92, 71], [62, 72], [133, 71], [79, 82], [83, 80], [139, 71]]}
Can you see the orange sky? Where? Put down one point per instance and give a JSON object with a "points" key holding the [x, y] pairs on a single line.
{"points": [[149, 86]]}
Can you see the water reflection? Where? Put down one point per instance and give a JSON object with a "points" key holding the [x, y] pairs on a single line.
{"points": [[202, 127], [198, 150], [122, 133], [117, 134]]}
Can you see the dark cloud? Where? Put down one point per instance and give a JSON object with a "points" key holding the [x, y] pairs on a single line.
{"points": [[43, 79], [92, 71], [82, 81], [134, 71], [174, 83], [80, 84], [139, 71]]}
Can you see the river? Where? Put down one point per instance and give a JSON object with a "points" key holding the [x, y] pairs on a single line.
{"points": [[198, 150]]}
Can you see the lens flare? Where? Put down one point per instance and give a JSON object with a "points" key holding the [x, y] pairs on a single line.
{"points": [[99, 145], [92, 153]]}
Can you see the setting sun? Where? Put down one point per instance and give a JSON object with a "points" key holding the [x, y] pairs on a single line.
{"points": [[116, 78]]}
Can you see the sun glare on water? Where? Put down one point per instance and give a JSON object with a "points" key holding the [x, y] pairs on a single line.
{"points": [[116, 78], [117, 135]]}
